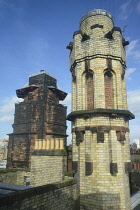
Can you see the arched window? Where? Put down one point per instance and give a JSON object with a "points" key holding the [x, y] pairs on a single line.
{"points": [[108, 81], [90, 90]]}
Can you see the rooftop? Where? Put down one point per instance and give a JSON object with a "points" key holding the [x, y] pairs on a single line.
{"points": [[42, 72], [6, 188]]}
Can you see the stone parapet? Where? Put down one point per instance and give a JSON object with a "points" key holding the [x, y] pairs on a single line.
{"points": [[14, 176], [56, 196]]}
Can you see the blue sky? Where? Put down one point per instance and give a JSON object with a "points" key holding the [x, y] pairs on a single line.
{"points": [[34, 35]]}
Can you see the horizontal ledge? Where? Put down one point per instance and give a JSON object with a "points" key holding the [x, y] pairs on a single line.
{"points": [[47, 133], [96, 56], [100, 128], [8, 170], [43, 152], [110, 112], [56, 134], [12, 134]]}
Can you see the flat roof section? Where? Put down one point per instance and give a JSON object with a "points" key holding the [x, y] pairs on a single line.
{"points": [[7, 188]]}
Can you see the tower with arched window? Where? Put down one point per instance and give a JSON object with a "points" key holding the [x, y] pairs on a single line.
{"points": [[100, 117]]}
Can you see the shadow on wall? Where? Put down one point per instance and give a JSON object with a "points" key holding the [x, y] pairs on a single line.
{"points": [[102, 201], [56, 196], [59, 196]]}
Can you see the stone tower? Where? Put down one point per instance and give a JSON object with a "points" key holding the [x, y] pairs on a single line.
{"points": [[100, 118], [40, 121]]}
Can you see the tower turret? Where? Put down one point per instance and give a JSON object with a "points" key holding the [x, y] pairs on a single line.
{"points": [[100, 128], [39, 122]]}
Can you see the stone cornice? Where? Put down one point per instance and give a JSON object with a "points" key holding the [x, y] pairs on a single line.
{"points": [[110, 112], [53, 152], [100, 128], [97, 56]]}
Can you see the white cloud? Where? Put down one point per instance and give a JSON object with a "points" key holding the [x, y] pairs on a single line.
{"points": [[134, 101], [129, 72], [133, 104], [8, 104], [6, 137], [134, 130], [138, 7], [125, 10], [67, 102], [7, 118], [7, 108], [6, 4], [133, 49]]}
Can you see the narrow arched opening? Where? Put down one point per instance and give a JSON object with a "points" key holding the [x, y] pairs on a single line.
{"points": [[109, 96], [90, 90]]}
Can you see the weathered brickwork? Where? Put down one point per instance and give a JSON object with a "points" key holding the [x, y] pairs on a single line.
{"points": [[100, 129], [108, 91], [59, 196], [47, 167], [90, 91], [39, 116], [14, 176]]}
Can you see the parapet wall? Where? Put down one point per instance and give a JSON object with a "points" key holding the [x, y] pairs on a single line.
{"points": [[57, 196], [14, 176]]}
